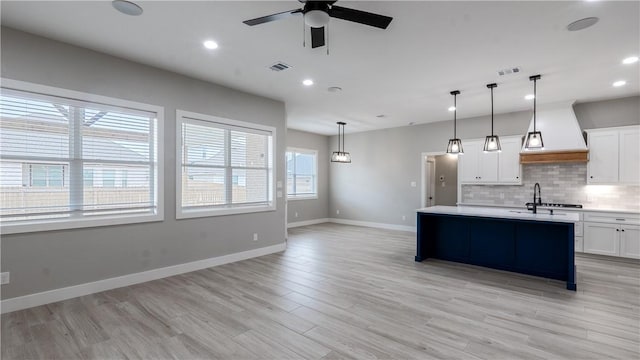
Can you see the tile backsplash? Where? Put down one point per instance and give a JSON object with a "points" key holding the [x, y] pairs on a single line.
{"points": [[560, 183]]}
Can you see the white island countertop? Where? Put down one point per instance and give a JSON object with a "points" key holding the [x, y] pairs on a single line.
{"points": [[542, 215]]}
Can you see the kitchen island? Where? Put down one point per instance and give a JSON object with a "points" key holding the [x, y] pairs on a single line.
{"points": [[514, 240]]}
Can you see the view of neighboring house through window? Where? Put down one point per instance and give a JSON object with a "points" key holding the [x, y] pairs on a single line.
{"points": [[69, 159], [302, 173], [225, 166]]}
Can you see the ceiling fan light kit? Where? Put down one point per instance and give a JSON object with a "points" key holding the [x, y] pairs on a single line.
{"points": [[317, 15]]}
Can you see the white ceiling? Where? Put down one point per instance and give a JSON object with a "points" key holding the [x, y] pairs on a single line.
{"points": [[404, 72]]}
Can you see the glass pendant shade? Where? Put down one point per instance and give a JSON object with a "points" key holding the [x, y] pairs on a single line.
{"points": [[492, 144], [534, 138], [534, 141], [455, 147], [455, 144], [341, 156]]}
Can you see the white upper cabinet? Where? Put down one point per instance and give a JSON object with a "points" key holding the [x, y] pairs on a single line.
{"points": [[614, 154], [468, 163], [509, 168], [478, 167], [630, 156]]}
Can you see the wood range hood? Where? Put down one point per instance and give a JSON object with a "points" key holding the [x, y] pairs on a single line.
{"points": [[563, 139]]}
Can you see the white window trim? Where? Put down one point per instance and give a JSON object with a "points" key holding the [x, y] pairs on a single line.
{"points": [[304, 196], [198, 213], [76, 223]]}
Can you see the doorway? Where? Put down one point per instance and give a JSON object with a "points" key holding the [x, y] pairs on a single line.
{"points": [[439, 179]]}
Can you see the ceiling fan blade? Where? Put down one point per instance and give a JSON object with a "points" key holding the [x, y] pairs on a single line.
{"points": [[272, 17], [362, 17], [317, 37]]}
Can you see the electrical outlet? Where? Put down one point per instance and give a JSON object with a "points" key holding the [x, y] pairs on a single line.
{"points": [[404, 218], [337, 212], [413, 184], [255, 237], [296, 214], [4, 278]]}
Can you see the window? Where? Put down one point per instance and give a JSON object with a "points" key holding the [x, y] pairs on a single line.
{"points": [[224, 166], [81, 163], [302, 174]]}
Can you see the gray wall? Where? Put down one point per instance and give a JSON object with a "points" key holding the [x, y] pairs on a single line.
{"points": [[43, 261], [376, 186], [608, 113], [310, 209], [447, 166]]}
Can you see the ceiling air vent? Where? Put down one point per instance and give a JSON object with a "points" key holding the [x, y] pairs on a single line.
{"points": [[509, 71], [279, 66]]}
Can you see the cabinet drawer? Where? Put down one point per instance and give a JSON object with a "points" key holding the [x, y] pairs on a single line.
{"points": [[613, 218]]}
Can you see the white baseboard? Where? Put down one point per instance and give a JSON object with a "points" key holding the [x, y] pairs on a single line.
{"points": [[373, 224], [307, 222], [47, 297]]}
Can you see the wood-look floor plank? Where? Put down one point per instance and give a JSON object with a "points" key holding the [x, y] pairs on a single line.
{"points": [[343, 292]]}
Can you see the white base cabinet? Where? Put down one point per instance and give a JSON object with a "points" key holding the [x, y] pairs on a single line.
{"points": [[612, 234], [601, 239]]}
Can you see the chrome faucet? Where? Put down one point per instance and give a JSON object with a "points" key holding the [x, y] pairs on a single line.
{"points": [[537, 198]]}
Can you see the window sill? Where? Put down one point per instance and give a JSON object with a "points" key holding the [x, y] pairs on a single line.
{"points": [[199, 213], [296, 198], [76, 223]]}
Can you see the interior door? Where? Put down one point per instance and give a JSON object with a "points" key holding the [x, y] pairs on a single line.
{"points": [[430, 176]]}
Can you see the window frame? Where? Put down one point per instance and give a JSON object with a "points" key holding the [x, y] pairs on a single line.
{"points": [[28, 226], [313, 196], [181, 213]]}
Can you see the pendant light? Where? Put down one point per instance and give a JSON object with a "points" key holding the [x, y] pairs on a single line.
{"points": [[534, 138], [341, 156], [455, 144], [492, 142]]}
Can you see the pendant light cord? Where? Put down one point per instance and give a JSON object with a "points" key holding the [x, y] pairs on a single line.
{"points": [[491, 111], [535, 98], [343, 138], [455, 114]]}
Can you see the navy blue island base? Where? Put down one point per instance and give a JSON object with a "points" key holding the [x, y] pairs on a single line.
{"points": [[533, 247]]}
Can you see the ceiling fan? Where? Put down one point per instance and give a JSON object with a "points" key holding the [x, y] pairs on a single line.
{"points": [[317, 13]]}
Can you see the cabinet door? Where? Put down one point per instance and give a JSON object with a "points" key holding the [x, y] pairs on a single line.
{"points": [[630, 241], [488, 167], [601, 239], [603, 157], [630, 156], [468, 163], [509, 161]]}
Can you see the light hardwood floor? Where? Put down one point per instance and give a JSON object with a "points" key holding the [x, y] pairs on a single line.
{"points": [[343, 292]]}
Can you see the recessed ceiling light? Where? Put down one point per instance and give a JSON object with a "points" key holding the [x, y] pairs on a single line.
{"points": [[529, 97], [334, 89], [630, 60], [619, 83], [210, 44], [127, 7], [452, 108], [582, 24], [307, 82]]}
